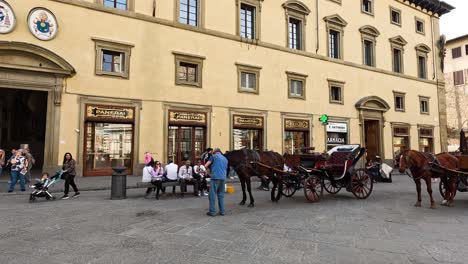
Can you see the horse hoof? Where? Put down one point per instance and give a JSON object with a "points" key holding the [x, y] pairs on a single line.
{"points": [[242, 203], [417, 205], [251, 205]]}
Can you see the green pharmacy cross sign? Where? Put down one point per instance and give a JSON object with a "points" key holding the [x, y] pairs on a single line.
{"points": [[324, 119]]}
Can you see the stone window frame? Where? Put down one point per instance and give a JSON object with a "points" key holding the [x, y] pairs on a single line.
{"points": [[369, 33], [248, 68], [339, 84], [393, 9], [336, 23], [372, 8], [425, 99], [399, 43], [422, 50], [192, 59], [200, 14], [297, 77], [130, 5], [299, 11], [115, 46], [257, 4], [399, 94], [416, 20]]}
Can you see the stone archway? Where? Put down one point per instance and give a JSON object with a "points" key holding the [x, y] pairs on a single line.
{"points": [[26, 66], [371, 116]]}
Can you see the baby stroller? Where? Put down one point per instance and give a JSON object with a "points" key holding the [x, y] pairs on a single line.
{"points": [[41, 189]]}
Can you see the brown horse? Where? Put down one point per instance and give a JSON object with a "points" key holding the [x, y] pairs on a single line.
{"points": [[245, 163], [427, 166]]}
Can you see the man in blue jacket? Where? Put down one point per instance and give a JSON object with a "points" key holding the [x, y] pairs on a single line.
{"points": [[218, 177]]}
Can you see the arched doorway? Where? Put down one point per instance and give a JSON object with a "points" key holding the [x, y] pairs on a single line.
{"points": [[31, 86], [371, 116]]}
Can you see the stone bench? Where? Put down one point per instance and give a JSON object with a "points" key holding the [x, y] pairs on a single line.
{"points": [[164, 185]]}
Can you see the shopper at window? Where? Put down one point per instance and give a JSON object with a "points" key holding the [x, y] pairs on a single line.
{"points": [[69, 174], [19, 166]]}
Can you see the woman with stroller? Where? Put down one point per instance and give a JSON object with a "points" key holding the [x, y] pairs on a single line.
{"points": [[69, 174]]}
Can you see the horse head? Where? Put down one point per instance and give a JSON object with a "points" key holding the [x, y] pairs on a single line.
{"points": [[403, 160]]}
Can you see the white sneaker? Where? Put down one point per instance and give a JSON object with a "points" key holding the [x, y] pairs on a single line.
{"points": [[205, 193]]}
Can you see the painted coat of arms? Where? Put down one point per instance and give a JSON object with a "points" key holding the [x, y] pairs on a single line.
{"points": [[42, 23], [7, 18]]}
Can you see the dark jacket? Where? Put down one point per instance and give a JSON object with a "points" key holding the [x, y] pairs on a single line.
{"points": [[69, 167]]}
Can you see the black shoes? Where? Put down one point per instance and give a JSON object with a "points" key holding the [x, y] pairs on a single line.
{"points": [[77, 194]]}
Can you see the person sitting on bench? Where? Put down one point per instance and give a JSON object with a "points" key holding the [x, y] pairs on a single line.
{"points": [[170, 174], [200, 173], [186, 177], [153, 176]]}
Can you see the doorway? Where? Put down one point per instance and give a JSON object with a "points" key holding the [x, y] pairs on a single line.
{"points": [[185, 143], [23, 115], [372, 138]]}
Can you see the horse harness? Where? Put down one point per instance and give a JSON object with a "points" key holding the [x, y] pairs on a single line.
{"points": [[433, 165]]}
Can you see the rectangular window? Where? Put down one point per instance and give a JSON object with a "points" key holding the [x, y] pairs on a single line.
{"points": [[334, 42], [420, 26], [294, 141], [248, 81], [456, 52], [399, 102], [367, 6], [187, 72], [188, 69], [400, 139], [119, 4], [422, 67], [189, 12], [426, 140], [297, 89], [397, 60], [458, 78], [295, 32], [369, 53], [424, 105], [395, 16], [112, 61], [247, 21], [335, 94]]}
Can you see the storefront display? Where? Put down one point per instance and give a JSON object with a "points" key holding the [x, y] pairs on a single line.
{"points": [[337, 134], [186, 136], [247, 132], [296, 135], [108, 139], [400, 139], [426, 140]]}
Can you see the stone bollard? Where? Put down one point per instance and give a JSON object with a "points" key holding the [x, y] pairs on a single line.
{"points": [[119, 184]]}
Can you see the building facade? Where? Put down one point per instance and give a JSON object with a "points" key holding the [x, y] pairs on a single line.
{"points": [[456, 79], [117, 78]]}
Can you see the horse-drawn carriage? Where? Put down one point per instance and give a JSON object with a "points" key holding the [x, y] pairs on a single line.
{"points": [[331, 171]]}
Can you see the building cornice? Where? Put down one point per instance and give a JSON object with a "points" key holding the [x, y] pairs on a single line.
{"points": [[215, 33]]}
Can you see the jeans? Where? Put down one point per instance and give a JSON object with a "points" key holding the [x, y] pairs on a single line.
{"points": [[216, 190], [14, 178]]}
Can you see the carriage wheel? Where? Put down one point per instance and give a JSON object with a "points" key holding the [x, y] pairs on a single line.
{"points": [[361, 184], [329, 187], [289, 188], [443, 189], [313, 189]]}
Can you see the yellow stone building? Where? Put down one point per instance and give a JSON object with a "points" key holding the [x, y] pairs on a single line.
{"points": [[112, 79]]}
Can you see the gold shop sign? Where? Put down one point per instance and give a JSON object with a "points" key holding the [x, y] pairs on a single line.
{"points": [[99, 112], [184, 117], [248, 121], [296, 124]]}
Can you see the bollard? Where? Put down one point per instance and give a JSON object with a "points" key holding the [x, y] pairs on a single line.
{"points": [[119, 184]]}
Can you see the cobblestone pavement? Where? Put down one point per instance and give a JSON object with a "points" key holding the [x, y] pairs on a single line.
{"points": [[385, 228]]}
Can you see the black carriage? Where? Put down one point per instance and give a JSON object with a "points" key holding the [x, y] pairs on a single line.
{"points": [[462, 172]]}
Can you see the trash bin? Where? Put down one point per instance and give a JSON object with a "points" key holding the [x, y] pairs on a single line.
{"points": [[119, 184]]}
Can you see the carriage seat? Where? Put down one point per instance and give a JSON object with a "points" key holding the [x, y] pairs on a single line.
{"points": [[336, 162]]}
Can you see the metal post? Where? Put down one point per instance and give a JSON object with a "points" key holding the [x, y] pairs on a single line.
{"points": [[119, 183]]}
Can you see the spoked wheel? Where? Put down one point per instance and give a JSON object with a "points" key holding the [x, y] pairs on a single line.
{"points": [[289, 188], [443, 189], [313, 189], [361, 184], [329, 187]]}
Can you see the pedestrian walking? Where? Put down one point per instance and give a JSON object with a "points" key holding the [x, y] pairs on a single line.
{"points": [[31, 162], [218, 167], [69, 174], [19, 165], [2, 161]]}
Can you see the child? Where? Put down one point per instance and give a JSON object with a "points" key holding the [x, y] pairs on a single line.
{"points": [[43, 181]]}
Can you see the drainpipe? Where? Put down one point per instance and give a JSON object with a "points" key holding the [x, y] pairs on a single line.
{"points": [[434, 68], [317, 24]]}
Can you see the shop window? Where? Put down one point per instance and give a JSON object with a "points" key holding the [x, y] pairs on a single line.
{"points": [[401, 138], [424, 105], [249, 76], [296, 85], [367, 6], [420, 28], [395, 16], [188, 12], [426, 140], [296, 14], [296, 135], [337, 134], [247, 132], [189, 69], [248, 20], [399, 102], [112, 59]]}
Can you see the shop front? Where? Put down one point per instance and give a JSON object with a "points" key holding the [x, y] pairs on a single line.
{"points": [[296, 135], [247, 132], [337, 134], [401, 138], [186, 135], [108, 139], [426, 139]]}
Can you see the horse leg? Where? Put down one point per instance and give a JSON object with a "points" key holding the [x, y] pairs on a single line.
{"points": [[428, 181], [453, 190], [244, 195], [279, 182], [418, 189], [273, 189], [446, 183], [249, 189]]}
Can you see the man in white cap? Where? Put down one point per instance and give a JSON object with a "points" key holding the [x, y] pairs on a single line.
{"points": [[218, 165]]}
